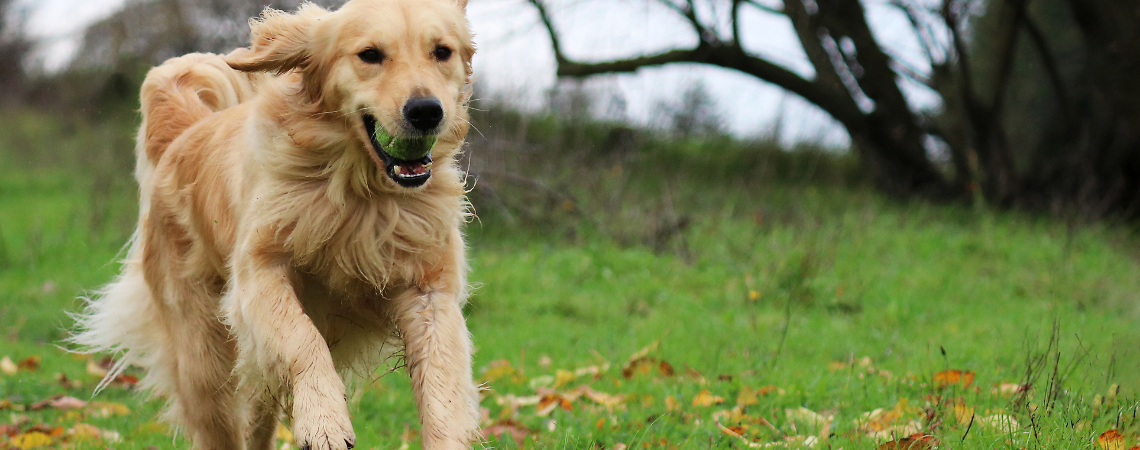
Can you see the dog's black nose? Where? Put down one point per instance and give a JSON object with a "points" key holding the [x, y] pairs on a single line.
{"points": [[423, 113]]}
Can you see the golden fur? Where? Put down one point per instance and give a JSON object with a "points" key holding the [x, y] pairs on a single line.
{"points": [[274, 254]]}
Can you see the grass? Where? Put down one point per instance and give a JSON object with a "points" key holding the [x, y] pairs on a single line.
{"points": [[815, 295]]}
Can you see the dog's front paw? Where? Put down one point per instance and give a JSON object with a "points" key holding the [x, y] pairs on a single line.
{"points": [[325, 432], [322, 425]]}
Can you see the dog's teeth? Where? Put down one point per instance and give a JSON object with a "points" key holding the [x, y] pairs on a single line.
{"points": [[427, 166], [398, 170]]}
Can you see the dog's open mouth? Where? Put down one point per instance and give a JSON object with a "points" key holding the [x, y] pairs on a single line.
{"points": [[407, 173]]}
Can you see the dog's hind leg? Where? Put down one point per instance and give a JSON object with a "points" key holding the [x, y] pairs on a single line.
{"points": [[201, 353]]}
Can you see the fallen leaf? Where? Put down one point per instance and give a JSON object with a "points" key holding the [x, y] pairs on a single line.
{"points": [[1009, 388], [501, 369], [58, 401], [110, 409], [7, 404], [516, 430], [550, 401], [7, 366], [562, 377], [284, 434], [807, 416], [604, 399], [747, 396], [9, 430], [963, 413], [706, 398], [671, 404], [34, 439], [85, 432], [913, 442], [66, 382], [1000, 422], [1111, 440], [94, 369], [948, 377], [30, 364], [646, 365]]}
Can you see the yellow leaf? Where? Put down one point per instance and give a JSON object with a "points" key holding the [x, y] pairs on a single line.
{"points": [[947, 377], [110, 409], [34, 439], [706, 398], [7, 366], [963, 413], [502, 369], [747, 396], [753, 295], [283, 434], [671, 404], [1111, 440], [562, 377]]}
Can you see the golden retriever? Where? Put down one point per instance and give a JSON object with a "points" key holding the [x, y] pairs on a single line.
{"points": [[280, 247]]}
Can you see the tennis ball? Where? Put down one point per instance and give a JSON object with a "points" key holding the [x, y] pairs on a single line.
{"points": [[409, 149]]}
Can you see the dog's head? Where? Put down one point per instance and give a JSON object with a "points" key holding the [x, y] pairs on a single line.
{"points": [[397, 71]]}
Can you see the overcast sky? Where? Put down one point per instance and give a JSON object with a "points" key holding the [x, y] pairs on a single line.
{"points": [[515, 60]]}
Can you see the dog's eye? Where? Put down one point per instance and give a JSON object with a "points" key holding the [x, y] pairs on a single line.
{"points": [[371, 56], [442, 53]]}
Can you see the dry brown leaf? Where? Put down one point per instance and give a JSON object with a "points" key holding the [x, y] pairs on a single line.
{"points": [[646, 365], [9, 430], [950, 377], [30, 364], [706, 398], [1111, 440], [602, 398], [516, 430], [916, 441], [550, 401], [58, 401]]}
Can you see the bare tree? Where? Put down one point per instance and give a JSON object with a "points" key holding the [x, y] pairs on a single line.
{"points": [[856, 81], [14, 50]]}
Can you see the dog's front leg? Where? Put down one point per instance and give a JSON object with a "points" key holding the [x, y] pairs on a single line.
{"points": [[281, 347], [438, 356]]}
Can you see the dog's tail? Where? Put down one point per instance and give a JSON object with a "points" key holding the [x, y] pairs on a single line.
{"points": [[122, 317], [178, 94]]}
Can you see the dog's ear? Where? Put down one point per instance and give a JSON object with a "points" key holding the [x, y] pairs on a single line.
{"points": [[279, 41]]}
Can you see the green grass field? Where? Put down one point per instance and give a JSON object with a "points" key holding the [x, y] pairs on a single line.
{"points": [[783, 315]]}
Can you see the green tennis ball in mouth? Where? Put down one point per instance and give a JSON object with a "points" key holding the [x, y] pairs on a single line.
{"points": [[408, 149]]}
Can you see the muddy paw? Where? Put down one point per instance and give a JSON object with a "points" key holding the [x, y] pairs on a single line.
{"points": [[324, 430]]}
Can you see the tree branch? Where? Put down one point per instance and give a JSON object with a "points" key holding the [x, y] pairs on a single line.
{"points": [[1048, 60], [546, 22], [834, 102], [808, 32]]}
